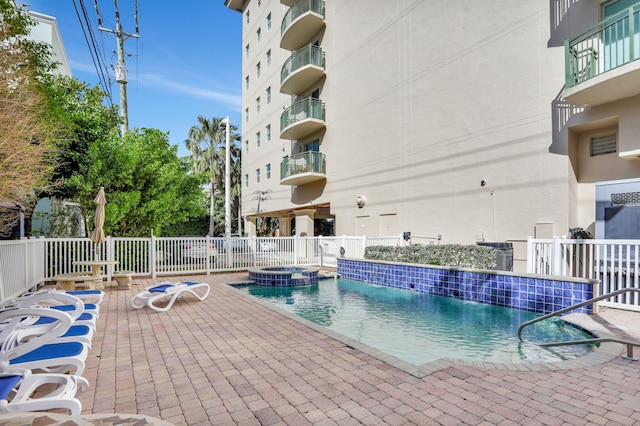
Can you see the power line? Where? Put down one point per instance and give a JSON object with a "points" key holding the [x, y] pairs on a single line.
{"points": [[89, 37]]}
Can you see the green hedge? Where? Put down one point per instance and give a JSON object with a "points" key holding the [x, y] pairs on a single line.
{"points": [[451, 255]]}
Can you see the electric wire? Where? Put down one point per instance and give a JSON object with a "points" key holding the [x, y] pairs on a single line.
{"points": [[93, 49]]}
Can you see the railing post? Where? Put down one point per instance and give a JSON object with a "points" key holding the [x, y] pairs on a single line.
{"points": [[530, 255], [364, 245], [556, 254], [152, 256], [567, 65], [110, 256]]}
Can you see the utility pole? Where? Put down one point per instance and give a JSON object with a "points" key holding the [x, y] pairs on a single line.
{"points": [[121, 68]]}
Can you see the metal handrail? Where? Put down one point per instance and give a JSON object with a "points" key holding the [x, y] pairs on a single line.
{"points": [[630, 344]]}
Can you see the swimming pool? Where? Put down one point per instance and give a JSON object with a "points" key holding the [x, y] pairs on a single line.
{"points": [[418, 327]]}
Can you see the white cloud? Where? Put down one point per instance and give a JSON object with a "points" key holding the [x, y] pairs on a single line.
{"points": [[161, 83]]}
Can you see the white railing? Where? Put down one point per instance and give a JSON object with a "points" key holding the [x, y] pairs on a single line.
{"points": [[22, 266], [26, 263], [613, 262]]}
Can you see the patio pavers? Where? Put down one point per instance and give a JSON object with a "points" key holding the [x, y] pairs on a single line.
{"points": [[229, 360]]}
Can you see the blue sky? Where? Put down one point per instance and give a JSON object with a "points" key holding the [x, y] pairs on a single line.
{"points": [[187, 61]]}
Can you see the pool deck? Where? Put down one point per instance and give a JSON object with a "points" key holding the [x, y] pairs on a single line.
{"points": [[230, 360]]}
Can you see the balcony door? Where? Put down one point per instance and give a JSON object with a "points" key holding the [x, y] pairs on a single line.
{"points": [[619, 32]]}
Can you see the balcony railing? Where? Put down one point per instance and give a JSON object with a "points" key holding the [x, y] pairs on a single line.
{"points": [[608, 45], [301, 22], [302, 168], [303, 68], [302, 118]]}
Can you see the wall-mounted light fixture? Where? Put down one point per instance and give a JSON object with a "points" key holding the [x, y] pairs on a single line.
{"points": [[361, 201], [483, 182]]}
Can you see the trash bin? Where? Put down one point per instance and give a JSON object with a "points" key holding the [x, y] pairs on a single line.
{"points": [[504, 255]]}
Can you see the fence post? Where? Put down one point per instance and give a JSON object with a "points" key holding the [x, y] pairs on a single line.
{"points": [[557, 257], [152, 255], [530, 255], [364, 246]]}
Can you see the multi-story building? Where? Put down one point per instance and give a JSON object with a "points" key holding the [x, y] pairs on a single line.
{"points": [[475, 121]]}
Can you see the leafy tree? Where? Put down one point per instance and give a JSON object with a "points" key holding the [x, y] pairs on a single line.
{"points": [[84, 119], [25, 135], [207, 153], [148, 187]]}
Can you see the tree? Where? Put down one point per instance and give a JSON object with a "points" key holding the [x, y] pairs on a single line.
{"points": [[207, 154], [26, 160], [84, 120], [148, 187]]}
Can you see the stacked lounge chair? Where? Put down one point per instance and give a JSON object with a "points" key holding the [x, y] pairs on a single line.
{"points": [[45, 338]]}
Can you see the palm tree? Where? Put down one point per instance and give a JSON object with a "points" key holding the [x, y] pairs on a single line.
{"points": [[206, 152], [236, 185]]}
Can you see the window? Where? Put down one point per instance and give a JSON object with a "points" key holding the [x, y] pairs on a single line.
{"points": [[246, 146], [268, 132], [246, 50], [268, 22], [258, 70], [258, 104], [313, 146], [268, 171], [257, 139], [259, 3], [258, 175], [246, 114], [602, 145], [246, 180], [268, 57], [246, 82], [247, 17], [268, 95], [258, 35]]}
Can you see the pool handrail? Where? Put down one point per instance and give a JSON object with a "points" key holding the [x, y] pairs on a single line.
{"points": [[630, 343]]}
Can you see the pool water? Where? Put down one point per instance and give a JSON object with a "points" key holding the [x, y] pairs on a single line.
{"points": [[419, 327]]}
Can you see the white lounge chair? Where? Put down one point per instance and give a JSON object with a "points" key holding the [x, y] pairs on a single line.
{"points": [[168, 292], [40, 351], [18, 392]]}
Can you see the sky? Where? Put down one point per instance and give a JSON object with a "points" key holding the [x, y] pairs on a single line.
{"points": [[185, 63]]}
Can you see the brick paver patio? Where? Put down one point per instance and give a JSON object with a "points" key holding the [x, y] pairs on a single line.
{"points": [[232, 361]]}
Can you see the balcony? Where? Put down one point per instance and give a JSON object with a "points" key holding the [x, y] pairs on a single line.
{"points": [[302, 21], [304, 68], [287, 3], [234, 4], [601, 64], [302, 119], [303, 168]]}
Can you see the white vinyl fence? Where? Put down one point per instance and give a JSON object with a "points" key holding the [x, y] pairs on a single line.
{"points": [[26, 263], [613, 262]]}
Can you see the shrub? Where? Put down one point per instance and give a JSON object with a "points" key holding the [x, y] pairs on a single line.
{"points": [[450, 255]]}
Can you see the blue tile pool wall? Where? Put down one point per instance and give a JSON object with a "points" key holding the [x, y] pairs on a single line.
{"points": [[537, 294], [284, 278]]}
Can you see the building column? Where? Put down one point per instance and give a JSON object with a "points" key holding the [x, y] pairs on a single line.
{"points": [[304, 222], [284, 225], [250, 226]]}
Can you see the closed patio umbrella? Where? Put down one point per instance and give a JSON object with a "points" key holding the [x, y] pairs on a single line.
{"points": [[97, 235]]}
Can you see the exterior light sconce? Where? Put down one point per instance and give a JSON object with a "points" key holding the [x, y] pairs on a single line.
{"points": [[361, 201], [483, 182]]}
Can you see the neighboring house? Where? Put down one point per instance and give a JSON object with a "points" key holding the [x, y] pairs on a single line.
{"points": [[46, 31], [52, 217], [469, 120]]}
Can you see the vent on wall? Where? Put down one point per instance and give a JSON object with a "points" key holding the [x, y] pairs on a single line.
{"points": [[603, 145]]}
